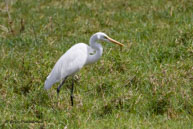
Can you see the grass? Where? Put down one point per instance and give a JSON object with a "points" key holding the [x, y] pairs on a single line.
{"points": [[147, 84]]}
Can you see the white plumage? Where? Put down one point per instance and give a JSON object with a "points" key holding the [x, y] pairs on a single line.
{"points": [[68, 64], [75, 58]]}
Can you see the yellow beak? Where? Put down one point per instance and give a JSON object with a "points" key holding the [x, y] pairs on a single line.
{"points": [[114, 41]]}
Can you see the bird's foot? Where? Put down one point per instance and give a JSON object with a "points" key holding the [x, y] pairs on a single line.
{"points": [[71, 97], [58, 91]]}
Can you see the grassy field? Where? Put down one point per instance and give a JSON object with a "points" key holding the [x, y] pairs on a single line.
{"points": [[146, 84]]}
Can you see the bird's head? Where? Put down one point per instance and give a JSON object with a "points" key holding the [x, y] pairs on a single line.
{"points": [[100, 36]]}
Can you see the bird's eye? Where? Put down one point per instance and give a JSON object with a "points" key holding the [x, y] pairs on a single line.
{"points": [[105, 37]]}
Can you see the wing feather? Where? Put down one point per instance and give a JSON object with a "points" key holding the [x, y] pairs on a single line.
{"points": [[68, 64]]}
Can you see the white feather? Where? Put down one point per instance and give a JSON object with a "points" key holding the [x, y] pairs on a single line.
{"points": [[76, 57], [68, 64]]}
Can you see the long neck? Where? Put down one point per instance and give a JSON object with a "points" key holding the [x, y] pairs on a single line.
{"points": [[97, 48]]}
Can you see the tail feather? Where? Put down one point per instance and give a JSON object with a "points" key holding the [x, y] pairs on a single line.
{"points": [[48, 84]]}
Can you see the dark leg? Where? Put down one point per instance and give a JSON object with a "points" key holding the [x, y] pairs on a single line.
{"points": [[72, 89], [58, 89]]}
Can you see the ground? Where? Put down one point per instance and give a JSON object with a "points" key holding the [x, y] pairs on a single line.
{"points": [[146, 84]]}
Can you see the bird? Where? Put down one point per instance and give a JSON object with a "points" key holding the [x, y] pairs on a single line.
{"points": [[74, 59]]}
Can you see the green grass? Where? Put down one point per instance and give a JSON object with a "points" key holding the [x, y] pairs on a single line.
{"points": [[146, 84]]}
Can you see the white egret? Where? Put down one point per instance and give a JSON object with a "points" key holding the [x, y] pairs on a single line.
{"points": [[75, 58]]}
